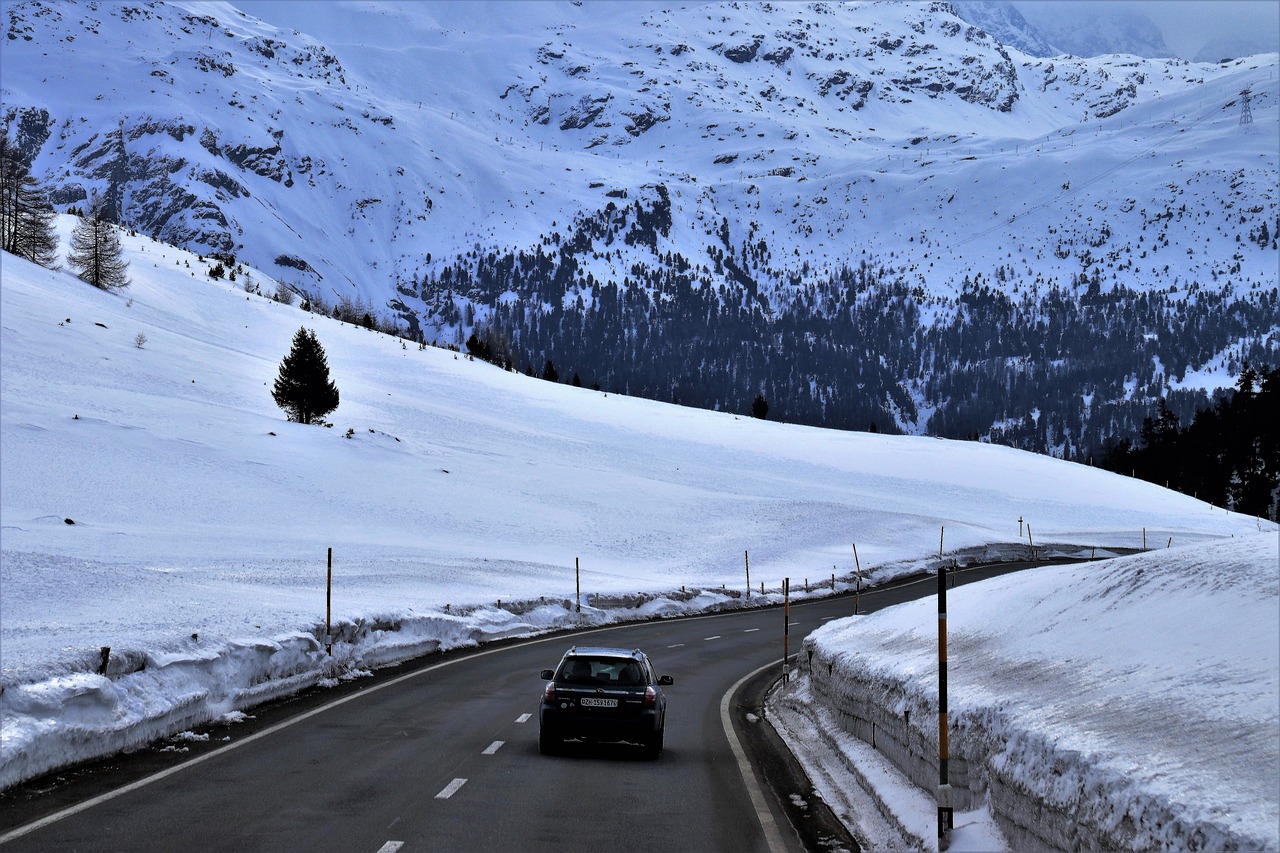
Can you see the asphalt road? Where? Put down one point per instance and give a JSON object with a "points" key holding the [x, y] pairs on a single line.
{"points": [[442, 755]]}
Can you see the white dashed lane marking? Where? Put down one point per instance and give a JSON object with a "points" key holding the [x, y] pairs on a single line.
{"points": [[749, 630], [451, 789], [523, 718], [716, 637], [493, 747], [391, 847], [675, 645]]}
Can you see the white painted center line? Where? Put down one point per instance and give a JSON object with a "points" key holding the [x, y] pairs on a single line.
{"points": [[523, 718], [493, 747], [749, 630], [716, 637], [391, 847], [451, 789]]}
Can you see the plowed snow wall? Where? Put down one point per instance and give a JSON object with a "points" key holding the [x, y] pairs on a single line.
{"points": [[1043, 798]]}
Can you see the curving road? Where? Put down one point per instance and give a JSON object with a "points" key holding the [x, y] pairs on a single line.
{"points": [[444, 757]]}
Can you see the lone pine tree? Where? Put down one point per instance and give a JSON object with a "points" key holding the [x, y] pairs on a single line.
{"points": [[303, 388], [95, 253]]}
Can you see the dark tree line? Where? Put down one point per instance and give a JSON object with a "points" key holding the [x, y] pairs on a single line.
{"points": [[26, 217], [1064, 367], [1229, 454], [1055, 369]]}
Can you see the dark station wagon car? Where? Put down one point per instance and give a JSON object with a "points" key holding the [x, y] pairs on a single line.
{"points": [[603, 694]]}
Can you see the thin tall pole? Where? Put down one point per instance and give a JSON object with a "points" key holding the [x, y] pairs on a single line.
{"points": [[746, 559], [857, 595], [945, 813], [328, 607], [786, 628], [577, 584]]}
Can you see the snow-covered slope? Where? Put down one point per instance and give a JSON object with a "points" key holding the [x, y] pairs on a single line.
{"points": [[154, 500]]}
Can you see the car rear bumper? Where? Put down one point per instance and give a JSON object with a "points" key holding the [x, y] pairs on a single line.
{"points": [[573, 723]]}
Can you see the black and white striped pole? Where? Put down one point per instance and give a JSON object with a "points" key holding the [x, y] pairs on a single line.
{"points": [[945, 813]]}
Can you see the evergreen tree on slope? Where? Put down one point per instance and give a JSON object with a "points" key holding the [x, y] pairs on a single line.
{"points": [[303, 388], [95, 253]]}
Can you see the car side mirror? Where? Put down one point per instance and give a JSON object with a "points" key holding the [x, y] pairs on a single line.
{"points": [[666, 680], [548, 674]]}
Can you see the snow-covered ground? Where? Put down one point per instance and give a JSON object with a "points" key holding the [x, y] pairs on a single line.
{"points": [[155, 501], [1132, 703]]}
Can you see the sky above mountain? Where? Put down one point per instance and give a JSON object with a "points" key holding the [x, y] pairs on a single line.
{"points": [[1189, 27]]}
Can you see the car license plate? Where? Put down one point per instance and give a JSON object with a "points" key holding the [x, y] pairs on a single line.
{"points": [[590, 702]]}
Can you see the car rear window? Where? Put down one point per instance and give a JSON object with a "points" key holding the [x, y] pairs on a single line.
{"points": [[589, 670]]}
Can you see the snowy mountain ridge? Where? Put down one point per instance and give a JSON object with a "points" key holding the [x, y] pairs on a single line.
{"points": [[236, 136], [508, 164]]}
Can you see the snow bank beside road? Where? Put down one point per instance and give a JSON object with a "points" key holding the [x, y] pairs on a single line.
{"points": [[144, 696], [1128, 704]]}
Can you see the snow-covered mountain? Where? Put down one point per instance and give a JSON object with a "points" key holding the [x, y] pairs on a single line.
{"points": [[509, 164], [1104, 29], [1005, 24]]}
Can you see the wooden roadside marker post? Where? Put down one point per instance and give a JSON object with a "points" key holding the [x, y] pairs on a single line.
{"points": [[946, 814], [746, 561], [941, 534], [857, 595], [328, 608], [786, 628], [577, 585]]}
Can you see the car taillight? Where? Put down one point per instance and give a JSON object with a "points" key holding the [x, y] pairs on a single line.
{"points": [[650, 697], [549, 694]]}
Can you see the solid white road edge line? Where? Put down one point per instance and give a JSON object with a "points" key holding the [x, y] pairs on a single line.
{"points": [[771, 834]]}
